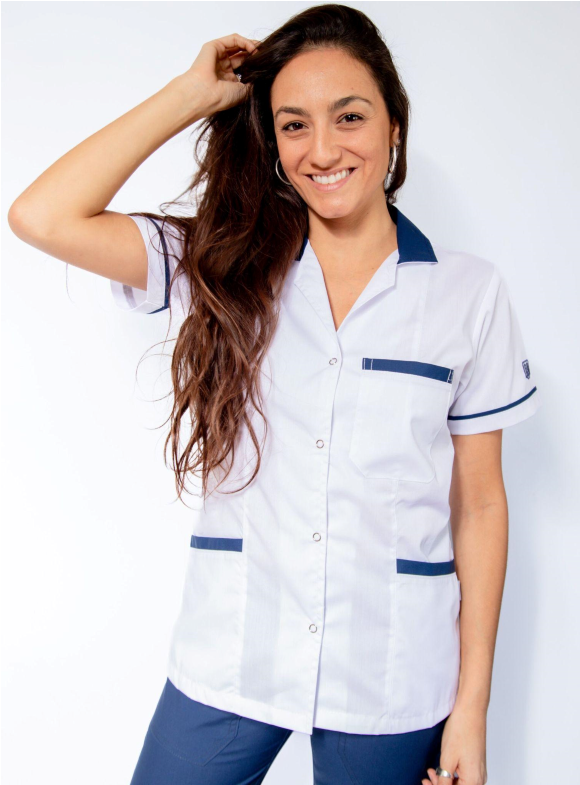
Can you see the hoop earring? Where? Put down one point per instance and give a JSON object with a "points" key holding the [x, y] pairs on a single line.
{"points": [[392, 167], [278, 173]]}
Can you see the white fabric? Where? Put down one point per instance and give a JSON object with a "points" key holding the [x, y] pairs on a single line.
{"points": [[161, 267], [312, 622]]}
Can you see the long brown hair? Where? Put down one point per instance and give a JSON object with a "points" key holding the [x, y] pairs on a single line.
{"points": [[248, 229]]}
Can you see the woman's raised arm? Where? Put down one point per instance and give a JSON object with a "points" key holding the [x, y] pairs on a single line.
{"points": [[62, 213]]}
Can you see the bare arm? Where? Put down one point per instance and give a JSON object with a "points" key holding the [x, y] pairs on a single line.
{"points": [[63, 211], [479, 522]]}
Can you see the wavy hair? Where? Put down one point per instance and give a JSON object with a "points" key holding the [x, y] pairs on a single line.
{"points": [[248, 229]]}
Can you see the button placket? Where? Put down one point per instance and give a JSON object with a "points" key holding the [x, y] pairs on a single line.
{"points": [[320, 443]]}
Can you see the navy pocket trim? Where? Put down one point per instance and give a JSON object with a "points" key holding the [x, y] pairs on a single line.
{"points": [[492, 411], [411, 567], [216, 543], [409, 366]]}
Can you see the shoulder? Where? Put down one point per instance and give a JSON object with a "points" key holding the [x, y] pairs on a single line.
{"points": [[466, 275], [463, 265]]}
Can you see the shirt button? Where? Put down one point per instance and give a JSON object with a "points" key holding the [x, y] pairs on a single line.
{"points": [[320, 443], [313, 628], [332, 360], [316, 536]]}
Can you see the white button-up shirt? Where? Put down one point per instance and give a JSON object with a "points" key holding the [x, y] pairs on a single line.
{"points": [[325, 593]]}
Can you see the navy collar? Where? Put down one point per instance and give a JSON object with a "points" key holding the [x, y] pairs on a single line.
{"points": [[412, 244]]}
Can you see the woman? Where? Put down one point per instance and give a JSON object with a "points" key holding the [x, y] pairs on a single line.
{"points": [[347, 383]]}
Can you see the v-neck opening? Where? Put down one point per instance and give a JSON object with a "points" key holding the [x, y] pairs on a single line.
{"points": [[310, 279], [360, 300]]}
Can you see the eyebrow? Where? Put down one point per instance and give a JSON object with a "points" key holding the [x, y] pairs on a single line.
{"points": [[332, 107]]}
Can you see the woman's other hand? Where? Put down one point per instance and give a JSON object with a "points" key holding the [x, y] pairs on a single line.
{"points": [[463, 749]]}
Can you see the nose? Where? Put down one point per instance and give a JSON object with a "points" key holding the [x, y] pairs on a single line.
{"points": [[324, 150]]}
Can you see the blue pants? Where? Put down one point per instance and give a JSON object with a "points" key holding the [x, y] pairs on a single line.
{"points": [[189, 743]]}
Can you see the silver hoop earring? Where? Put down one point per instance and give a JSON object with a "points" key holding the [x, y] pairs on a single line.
{"points": [[278, 173], [391, 169], [394, 162]]}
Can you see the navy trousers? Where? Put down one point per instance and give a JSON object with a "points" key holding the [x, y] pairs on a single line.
{"points": [[189, 743]]}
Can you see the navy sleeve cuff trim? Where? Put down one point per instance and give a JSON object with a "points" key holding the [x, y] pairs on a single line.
{"points": [[492, 411], [166, 261]]}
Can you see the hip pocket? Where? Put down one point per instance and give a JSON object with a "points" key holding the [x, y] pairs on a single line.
{"points": [[206, 640], [401, 407], [427, 646]]}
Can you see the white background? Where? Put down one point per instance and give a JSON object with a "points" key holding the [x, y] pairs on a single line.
{"points": [[94, 543]]}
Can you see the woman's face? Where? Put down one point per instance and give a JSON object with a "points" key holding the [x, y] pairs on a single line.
{"points": [[329, 116]]}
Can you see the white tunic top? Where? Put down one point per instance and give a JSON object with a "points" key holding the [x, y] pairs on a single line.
{"points": [[325, 593]]}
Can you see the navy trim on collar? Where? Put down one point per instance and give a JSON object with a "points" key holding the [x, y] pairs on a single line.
{"points": [[412, 243], [304, 241]]}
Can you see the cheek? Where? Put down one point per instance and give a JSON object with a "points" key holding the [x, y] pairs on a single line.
{"points": [[373, 152], [290, 156]]}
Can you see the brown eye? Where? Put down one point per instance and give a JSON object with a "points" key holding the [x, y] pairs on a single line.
{"points": [[287, 127]]}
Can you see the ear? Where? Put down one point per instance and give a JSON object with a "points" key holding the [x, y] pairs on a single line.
{"points": [[395, 131]]}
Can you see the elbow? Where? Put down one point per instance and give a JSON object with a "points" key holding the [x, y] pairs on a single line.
{"points": [[18, 219], [24, 222]]}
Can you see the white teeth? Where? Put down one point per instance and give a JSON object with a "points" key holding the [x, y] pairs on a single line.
{"points": [[333, 177]]}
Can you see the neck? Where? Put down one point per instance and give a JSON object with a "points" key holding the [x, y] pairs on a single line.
{"points": [[358, 242]]}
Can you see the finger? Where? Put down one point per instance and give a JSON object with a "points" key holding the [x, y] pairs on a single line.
{"points": [[451, 769], [237, 61], [228, 66], [234, 41], [442, 780]]}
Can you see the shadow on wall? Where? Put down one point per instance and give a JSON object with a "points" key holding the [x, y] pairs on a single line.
{"points": [[532, 477]]}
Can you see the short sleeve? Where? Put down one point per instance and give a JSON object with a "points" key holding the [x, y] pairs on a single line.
{"points": [[497, 388], [164, 248]]}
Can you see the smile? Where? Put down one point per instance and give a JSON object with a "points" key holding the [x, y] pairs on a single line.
{"points": [[332, 183]]}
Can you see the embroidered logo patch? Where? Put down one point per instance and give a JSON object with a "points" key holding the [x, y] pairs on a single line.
{"points": [[526, 367]]}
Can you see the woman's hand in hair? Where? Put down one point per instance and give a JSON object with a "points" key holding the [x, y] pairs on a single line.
{"points": [[212, 72]]}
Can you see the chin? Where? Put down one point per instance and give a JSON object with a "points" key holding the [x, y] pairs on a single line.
{"points": [[329, 211]]}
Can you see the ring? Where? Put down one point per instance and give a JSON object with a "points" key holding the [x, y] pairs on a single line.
{"points": [[442, 772], [239, 77]]}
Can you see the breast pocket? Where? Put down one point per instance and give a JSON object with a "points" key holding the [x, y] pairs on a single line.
{"points": [[401, 407]]}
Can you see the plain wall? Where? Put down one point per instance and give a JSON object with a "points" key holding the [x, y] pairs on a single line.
{"points": [[94, 543]]}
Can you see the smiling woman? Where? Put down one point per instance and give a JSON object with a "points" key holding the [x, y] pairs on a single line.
{"points": [[347, 382], [339, 146], [330, 178]]}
